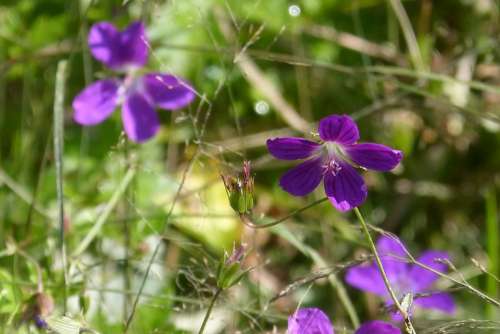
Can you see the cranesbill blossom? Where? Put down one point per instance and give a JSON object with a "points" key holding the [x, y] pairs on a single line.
{"points": [[377, 327], [405, 278], [315, 321], [334, 161], [309, 321], [126, 52]]}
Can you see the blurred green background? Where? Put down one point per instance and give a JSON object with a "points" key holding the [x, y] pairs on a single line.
{"points": [[420, 75]]}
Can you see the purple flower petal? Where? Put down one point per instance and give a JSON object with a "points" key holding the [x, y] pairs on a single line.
{"points": [[135, 42], [40, 322], [117, 49], [139, 118], [303, 178], [366, 278], [404, 278], [423, 278], [374, 156], [346, 189], [103, 40], [440, 301], [167, 91], [377, 327], [395, 315], [291, 148], [391, 245], [96, 102], [392, 253], [309, 321], [338, 128]]}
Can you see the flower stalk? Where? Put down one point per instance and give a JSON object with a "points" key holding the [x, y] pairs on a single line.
{"points": [[404, 313], [247, 220], [209, 311], [230, 272]]}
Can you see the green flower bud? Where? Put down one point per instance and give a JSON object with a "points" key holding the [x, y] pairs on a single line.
{"points": [[230, 270], [240, 190]]}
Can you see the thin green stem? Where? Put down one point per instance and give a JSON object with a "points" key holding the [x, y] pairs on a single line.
{"points": [[22, 193], [58, 157], [404, 313], [128, 197], [96, 228], [319, 261], [247, 220], [493, 244], [38, 269], [405, 72], [342, 294], [158, 245], [409, 34], [463, 284], [209, 311]]}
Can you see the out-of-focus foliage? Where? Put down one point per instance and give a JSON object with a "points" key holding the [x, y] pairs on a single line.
{"points": [[321, 57]]}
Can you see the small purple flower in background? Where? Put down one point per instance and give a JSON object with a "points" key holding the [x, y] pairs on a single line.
{"points": [[334, 161], [377, 327], [127, 51], [39, 322], [37, 309], [315, 321], [404, 277], [309, 321]]}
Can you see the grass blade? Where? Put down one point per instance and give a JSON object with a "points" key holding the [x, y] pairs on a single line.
{"points": [[58, 151], [493, 246]]}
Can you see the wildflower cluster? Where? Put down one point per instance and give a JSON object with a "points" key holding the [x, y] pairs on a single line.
{"points": [[333, 160]]}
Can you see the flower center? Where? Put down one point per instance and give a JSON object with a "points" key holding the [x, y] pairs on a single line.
{"points": [[334, 150], [335, 155], [402, 286], [130, 84], [332, 166]]}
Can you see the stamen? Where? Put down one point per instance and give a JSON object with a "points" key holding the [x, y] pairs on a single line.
{"points": [[332, 166]]}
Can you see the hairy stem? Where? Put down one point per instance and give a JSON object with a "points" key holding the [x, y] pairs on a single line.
{"points": [[209, 311]]}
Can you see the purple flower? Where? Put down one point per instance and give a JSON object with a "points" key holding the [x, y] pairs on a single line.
{"points": [[125, 52], [315, 321], [334, 161], [309, 321], [377, 327], [404, 277], [40, 322]]}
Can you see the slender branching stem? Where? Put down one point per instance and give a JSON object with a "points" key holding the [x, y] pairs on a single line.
{"points": [[247, 220], [404, 313], [39, 277], [209, 311]]}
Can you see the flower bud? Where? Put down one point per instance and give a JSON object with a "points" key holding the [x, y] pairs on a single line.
{"points": [[236, 256], [39, 307], [240, 190], [230, 271]]}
